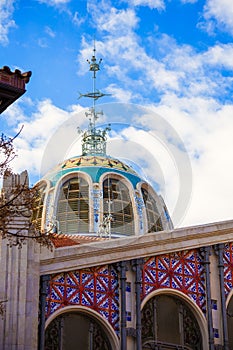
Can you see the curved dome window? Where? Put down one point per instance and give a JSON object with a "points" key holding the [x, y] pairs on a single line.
{"points": [[73, 206], [153, 217], [38, 207], [117, 202]]}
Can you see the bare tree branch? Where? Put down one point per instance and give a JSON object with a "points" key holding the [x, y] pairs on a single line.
{"points": [[17, 202]]}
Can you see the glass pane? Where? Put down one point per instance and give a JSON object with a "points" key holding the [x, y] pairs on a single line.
{"points": [[117, 201], [73, 206]]}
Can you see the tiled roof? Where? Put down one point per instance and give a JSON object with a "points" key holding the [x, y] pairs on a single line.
{"points": [[9, 77], [65, 240], [12, 86], [94, 166], [101, 161]]}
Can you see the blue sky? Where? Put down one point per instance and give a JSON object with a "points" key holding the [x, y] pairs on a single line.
{"points": [[173, 57]]}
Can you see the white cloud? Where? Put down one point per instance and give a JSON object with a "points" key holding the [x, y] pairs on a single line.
{"points": [[50, 32], [54, 2], [6, 21], [220, 55], [37, 133], [118, 21], [188, 1], [190, 85], [152, 4], [186, 83], [118, 93], [77, 19], [219, 13], [205, 127], [42, 42], [179, 68]]}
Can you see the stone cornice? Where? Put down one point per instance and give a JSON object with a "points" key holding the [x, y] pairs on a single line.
{"points": [[100, 253]]}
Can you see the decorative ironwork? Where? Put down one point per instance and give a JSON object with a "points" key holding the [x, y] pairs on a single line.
{"points": [[192, 335], [94, 140], [99, 341], [105, 226], [95, 288], [53, 335], [85, 327], [148, 321], [184, 335], [182, 271]]}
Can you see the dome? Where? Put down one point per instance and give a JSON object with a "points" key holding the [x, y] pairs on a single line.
{"points": [[94, 166], [96, 195], [99, 196]]}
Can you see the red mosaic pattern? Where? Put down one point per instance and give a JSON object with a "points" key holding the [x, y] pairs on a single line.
{"points": [[95, 288], [182, 271], [228, 268]]}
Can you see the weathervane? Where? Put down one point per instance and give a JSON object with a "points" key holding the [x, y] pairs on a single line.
{"points": [[94, 140]]}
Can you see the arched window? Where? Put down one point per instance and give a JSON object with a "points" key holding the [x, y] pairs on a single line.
{"points": [[117, 202], [38, 207], [230, 322], [153, 217], [73, 206], [72, 331], [169, 323]]}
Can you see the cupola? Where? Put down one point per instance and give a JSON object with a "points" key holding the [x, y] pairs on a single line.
{"points": [[95, 194]]}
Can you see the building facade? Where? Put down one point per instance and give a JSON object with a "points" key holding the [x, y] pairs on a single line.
{"points": [[170, 289], [119, 275], [12, 86]]}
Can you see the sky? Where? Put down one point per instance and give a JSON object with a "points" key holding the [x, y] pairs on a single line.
{"points": [[167, 66]]}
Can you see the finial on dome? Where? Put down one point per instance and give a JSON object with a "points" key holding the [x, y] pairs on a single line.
{"points": [[94, 140], [94, 66]]}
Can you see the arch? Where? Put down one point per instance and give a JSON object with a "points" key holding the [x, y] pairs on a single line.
{"points": [[72, 203], [228, 299], [118, 200], [229, 307], [113, 339], [196, 311]]}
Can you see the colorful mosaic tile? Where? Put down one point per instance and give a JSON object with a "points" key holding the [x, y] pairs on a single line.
{"points": [[95, 288], [182, 271], [228, 268]]}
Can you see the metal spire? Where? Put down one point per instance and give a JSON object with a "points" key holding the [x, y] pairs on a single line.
{"points": [[94, 140]]}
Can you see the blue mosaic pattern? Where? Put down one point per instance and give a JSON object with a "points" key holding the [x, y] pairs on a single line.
{"points": [[96, 196], [95, 288], [228, 268], [182, 271], [140, 205]]}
